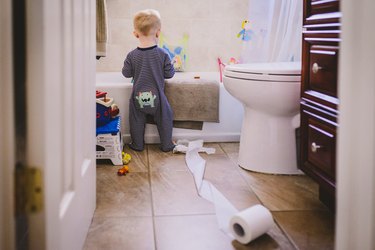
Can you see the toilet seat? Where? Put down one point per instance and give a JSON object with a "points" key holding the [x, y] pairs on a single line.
{"points": [[275, 72]]}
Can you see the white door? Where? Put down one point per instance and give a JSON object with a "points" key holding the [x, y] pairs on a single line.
{"points": [[61, 119]]}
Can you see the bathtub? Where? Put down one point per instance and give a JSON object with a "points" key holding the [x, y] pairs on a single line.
{"points": [[230, 110]]}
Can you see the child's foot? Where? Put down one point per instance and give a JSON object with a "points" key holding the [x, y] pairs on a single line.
{"points": [[134, 148], [168, 149]]}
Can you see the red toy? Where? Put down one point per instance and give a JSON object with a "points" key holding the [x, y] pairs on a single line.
{"points": [[123, 171], [101, 94]]}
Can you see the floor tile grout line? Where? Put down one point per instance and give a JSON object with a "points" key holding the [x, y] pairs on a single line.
{"points": [[151, 196], [249, 186], [242, 177], [290, 239]]}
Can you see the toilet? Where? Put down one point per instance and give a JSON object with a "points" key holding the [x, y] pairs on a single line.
{"points": [[270, 94]]}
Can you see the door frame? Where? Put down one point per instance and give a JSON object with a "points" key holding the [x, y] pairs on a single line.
{"points": [[355, 218], [7, 154]]}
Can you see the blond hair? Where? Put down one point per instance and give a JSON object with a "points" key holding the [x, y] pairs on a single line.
{"points": [[147, 21]]}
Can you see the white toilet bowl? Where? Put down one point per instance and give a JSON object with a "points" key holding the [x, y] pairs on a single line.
{"points": [[270, 94]]}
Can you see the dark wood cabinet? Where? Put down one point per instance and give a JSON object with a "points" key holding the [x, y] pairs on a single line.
{"points": [[319, 99]]}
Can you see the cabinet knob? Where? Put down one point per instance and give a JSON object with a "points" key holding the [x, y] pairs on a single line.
{"points": [[315, 147], [316, 68]]}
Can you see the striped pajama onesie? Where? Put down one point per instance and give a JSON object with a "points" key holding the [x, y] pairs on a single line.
{"points": [[149, 67]]}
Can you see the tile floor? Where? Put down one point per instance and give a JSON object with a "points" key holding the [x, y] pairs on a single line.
{"points": [[156, 205]]}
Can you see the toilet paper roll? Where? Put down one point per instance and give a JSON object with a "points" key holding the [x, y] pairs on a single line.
{"points": [[251, 223], [243, 226]]}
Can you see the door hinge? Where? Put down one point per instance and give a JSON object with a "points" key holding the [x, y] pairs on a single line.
{"points": [[29, 190]]}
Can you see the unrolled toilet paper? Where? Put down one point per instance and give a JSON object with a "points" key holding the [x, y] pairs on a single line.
{"points": [[244, 226]]}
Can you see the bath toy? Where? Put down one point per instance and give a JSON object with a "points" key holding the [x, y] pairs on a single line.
{"points": [[123, 171], [146, 99], [126, 158], [233, 60], [246, 33]]}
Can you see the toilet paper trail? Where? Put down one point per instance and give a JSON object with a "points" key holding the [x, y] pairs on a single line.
{"points": [[244, 226]]}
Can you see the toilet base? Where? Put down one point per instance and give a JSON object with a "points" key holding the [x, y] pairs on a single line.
{"points": [[268, 144]]}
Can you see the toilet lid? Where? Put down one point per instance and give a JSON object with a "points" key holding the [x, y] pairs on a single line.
{"points": [[276, 71]]}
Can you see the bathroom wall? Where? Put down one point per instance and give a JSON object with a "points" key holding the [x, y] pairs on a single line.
{"points": [[212, 27]]}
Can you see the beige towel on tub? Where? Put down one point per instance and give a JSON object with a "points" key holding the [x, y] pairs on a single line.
{"points": [[193, 101], [101, 28]]}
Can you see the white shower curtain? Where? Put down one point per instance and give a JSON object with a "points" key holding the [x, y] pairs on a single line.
{"points": [[277, 29]]}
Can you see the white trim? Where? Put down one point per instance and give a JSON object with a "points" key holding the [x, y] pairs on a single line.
{"points": [[7, 161], [355, 223]]}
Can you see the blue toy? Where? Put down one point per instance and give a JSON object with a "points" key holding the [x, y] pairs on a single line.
{"points": [[246, 33]]}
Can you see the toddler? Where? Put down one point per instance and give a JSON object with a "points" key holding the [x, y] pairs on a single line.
{"points": [[149, 65]]}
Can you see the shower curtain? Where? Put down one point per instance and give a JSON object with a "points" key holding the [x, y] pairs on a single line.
{"points": [[277, 31]]}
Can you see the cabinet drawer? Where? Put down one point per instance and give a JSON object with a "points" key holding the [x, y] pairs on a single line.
{"points": [[321, 143], [323, 6], [323, 69]]}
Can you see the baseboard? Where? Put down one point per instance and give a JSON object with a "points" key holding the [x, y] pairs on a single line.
{"points": [[224, 137]]}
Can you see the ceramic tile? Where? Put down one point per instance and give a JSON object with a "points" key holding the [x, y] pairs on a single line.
{"points": [[131, 233], [223, 8], [308, 229], [231, 149], [118, 9], [139, 160], [190, 232], [171, 29], [199, 9], [195, 63], [222, 173], [206, 23], [135, 6], [175, 10], [114, 60], [165, 161], [201, 232], [212, 30], [183, 220], [174, 193], [283, 192], [121, 30], [122, 195]]}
